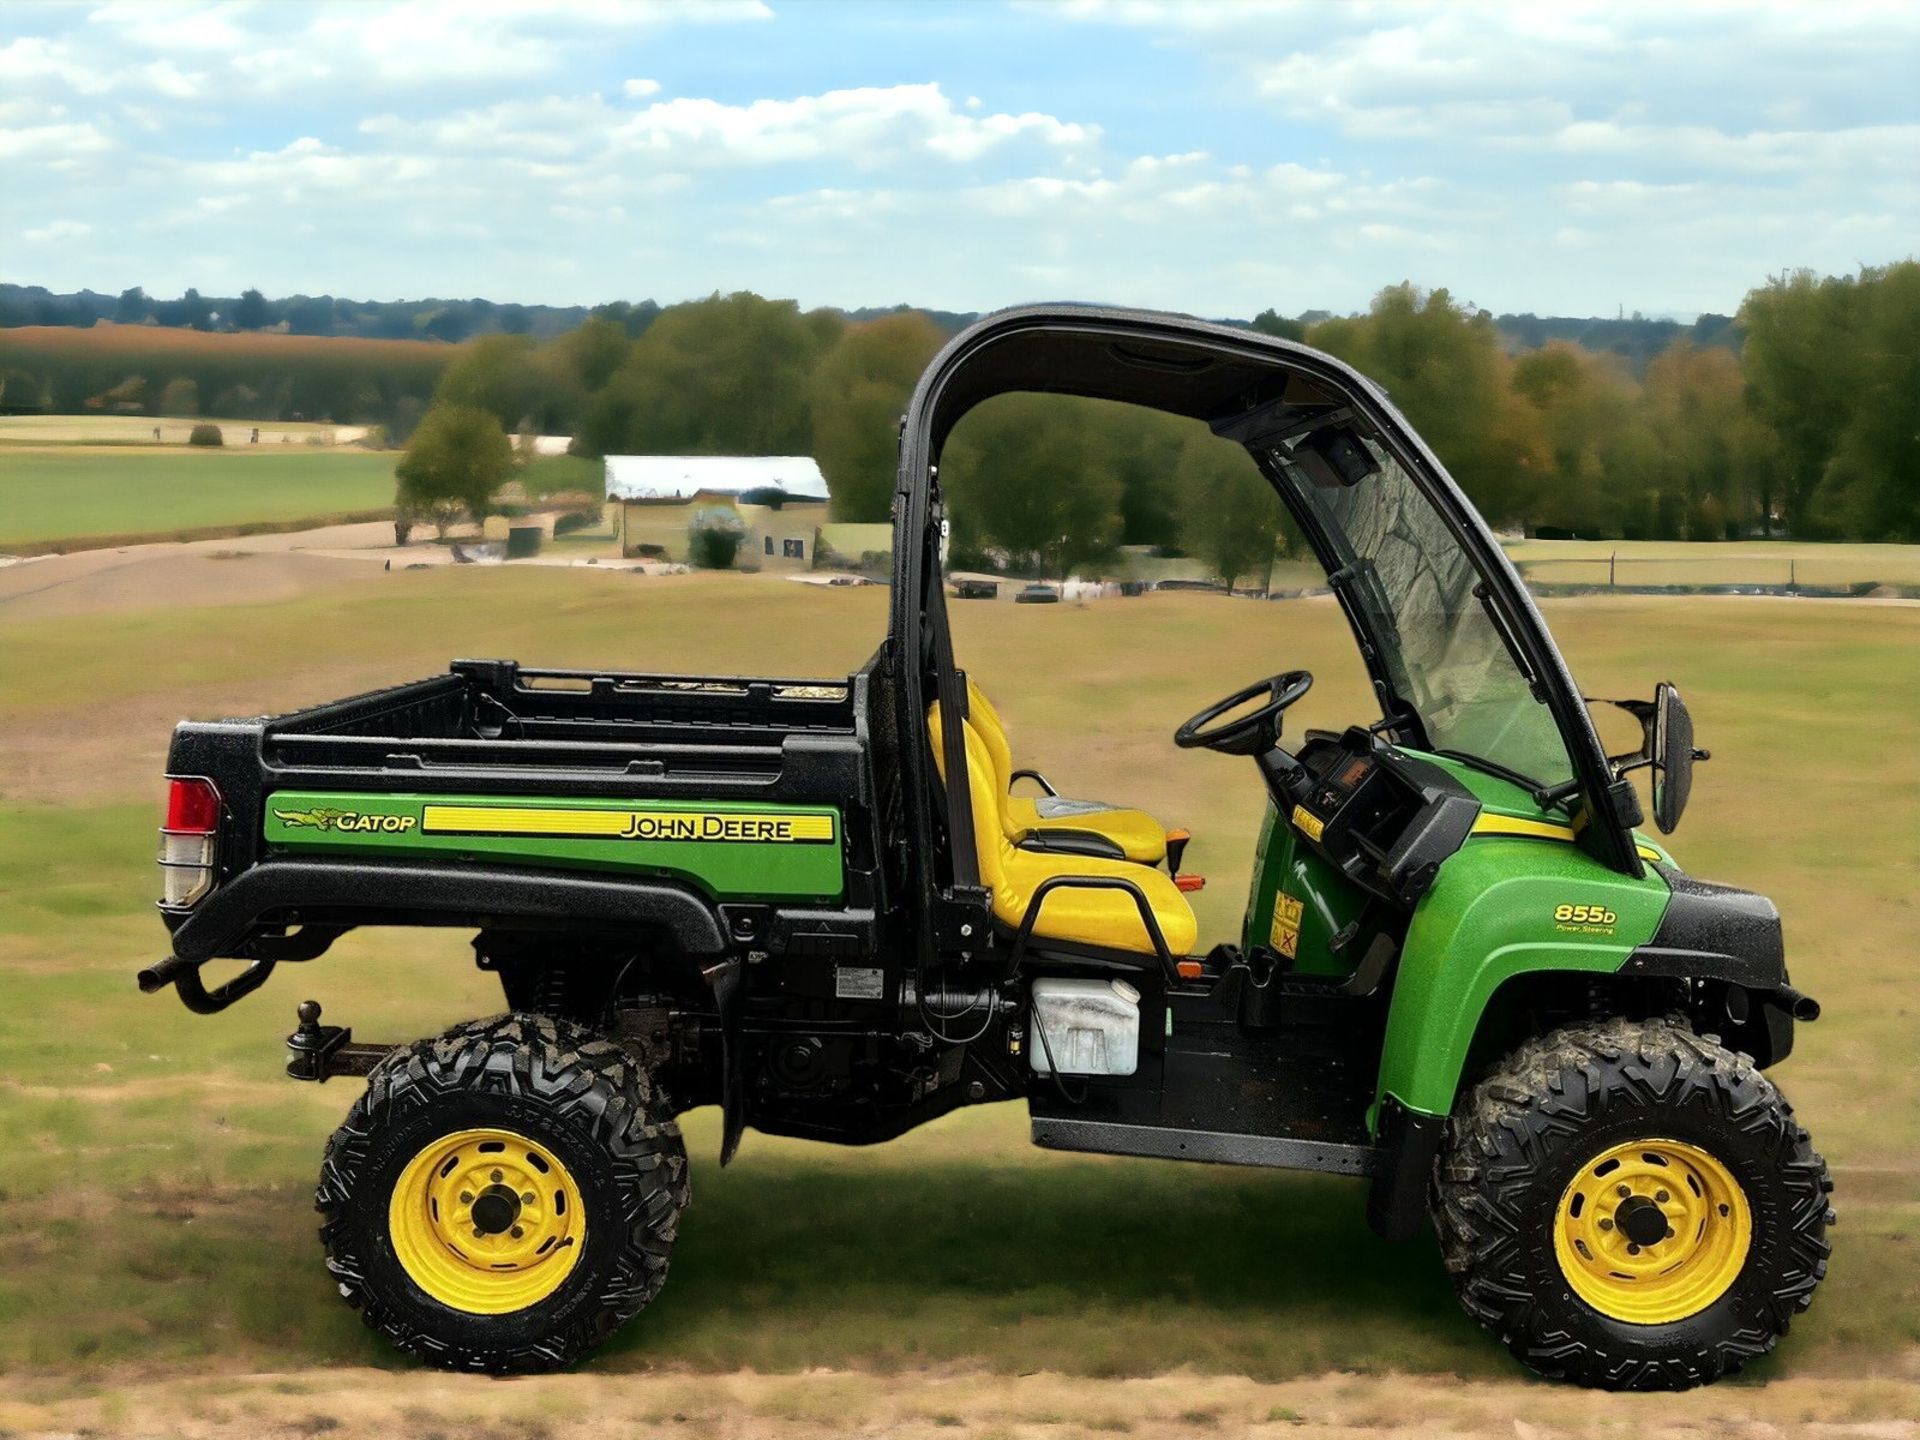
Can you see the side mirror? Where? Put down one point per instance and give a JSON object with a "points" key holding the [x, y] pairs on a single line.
{"points": [[1666, 748], [1670, 747]]}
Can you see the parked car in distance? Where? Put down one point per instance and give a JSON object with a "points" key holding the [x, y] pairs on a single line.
{"points": [[1037, 594], [975, 589]]}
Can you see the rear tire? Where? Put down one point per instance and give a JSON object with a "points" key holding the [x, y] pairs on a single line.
{"points": [[574, 1128], [1553, 1246]]}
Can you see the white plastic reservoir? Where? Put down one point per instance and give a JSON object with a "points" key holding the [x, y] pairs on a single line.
{"points": [[1092, 1026]]}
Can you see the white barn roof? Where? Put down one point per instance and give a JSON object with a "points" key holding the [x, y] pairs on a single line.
{"points": [[665, 477]]}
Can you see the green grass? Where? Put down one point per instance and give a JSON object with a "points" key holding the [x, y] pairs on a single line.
{"points": [[553, 474], [155, 1199], [48, 495]]}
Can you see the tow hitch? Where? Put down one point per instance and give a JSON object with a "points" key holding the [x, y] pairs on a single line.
{"points": [[319, 1052]]}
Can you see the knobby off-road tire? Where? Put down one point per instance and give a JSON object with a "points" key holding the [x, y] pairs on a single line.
{"points": [[577, 1100], [1547, 1118]]}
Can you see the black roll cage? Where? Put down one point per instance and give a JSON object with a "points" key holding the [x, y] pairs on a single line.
{"points": [[1246, 386]]}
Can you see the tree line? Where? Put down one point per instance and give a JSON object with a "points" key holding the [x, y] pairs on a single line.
{"points": [[1795, 417], [1808, 430]]}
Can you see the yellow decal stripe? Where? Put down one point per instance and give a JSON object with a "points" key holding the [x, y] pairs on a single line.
{"points": [[506, 820], [1310, 824], [1512, 825], [628, 824], [1543, 830]]}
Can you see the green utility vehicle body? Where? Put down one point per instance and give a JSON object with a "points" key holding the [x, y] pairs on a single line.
{"points": [[821, 905]]}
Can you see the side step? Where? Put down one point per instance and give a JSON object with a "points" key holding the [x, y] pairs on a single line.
{"points": [[1159, 1142]]}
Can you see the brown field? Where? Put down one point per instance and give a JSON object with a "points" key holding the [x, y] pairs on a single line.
{"points": [[136, 342], [158, 1271]]}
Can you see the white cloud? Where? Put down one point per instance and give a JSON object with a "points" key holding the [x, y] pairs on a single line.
{"points": [[866, 127], [56, 231], [52, 144], [1293, 153]]}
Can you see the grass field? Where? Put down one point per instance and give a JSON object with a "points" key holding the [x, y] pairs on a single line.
{"points": [[138, 430], [79, 493], [160, 1271], [1737, 562]]}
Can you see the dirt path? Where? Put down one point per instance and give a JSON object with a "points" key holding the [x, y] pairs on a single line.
{"points": [[354, 1403]]}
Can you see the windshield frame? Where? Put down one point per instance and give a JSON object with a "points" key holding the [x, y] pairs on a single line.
{"points": [[1469, 632]]}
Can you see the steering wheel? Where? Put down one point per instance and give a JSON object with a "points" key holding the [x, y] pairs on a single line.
{"points": [[1253, 733]]}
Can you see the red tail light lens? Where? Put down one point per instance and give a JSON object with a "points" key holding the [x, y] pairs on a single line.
{"points": [[193, 806]]}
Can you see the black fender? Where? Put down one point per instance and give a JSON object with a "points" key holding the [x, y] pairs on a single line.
{"points": [[337, 896], [1720, 933]]}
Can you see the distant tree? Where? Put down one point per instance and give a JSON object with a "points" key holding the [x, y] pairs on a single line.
{"points": [[1587, 408], [498, 374], [22, 389], [1871, 487], [1270, 322], [452, 323], [1802, 377], [180, 396], [252, 313], [858, 393], [722, 376], [457, 459], [1018, 478], [206, 433], [591, 353], [1443, 365], [1231, 517], [132, 307], [632, 318], [311, 315]]}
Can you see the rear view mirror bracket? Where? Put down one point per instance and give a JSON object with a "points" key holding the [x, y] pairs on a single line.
{"points": [[1666, 748]]}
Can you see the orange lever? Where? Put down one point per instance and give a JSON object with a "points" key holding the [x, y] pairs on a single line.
{"points": [[1190, 883], [1188, 969]]}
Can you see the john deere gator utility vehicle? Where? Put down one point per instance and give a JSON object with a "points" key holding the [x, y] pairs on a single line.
{"points": [[1464, 977]]}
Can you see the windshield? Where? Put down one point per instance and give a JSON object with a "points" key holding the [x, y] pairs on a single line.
{"points": [[1440, 649]]}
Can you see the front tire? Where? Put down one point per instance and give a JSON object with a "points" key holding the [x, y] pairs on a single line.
{"points": [[1629, 1205], [503, 1197]]}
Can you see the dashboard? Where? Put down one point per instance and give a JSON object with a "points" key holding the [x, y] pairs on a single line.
{"points": [[1387, 819]]}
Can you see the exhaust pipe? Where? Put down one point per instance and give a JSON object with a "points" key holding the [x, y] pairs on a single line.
{"points": [[1803, 1008]]}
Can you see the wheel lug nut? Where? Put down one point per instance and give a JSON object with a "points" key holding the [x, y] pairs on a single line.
{"points": [[496, 1179], [517, 1232], [1661, 1196], [1624, 1190], [1606, 1224], [527, 1198], [1633, 1249], [466, 1197]]}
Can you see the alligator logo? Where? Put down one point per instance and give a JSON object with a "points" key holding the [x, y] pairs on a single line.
{"points": [[315, 819]]}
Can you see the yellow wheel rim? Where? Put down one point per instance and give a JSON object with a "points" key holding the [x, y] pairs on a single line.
{"points": [[1652, 1231], [486, 1221]]}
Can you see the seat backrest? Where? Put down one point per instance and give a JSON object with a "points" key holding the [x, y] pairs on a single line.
{"points": [[990, 842], [996, 779], [987, 723]]}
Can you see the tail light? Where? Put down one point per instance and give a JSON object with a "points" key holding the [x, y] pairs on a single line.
{"points": [[187, 839]]}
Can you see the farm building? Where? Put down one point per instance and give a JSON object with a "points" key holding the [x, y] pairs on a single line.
{"points": [[777, 502]]}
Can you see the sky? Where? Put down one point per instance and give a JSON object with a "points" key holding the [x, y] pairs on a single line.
{"points": [[1563, 158]]}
